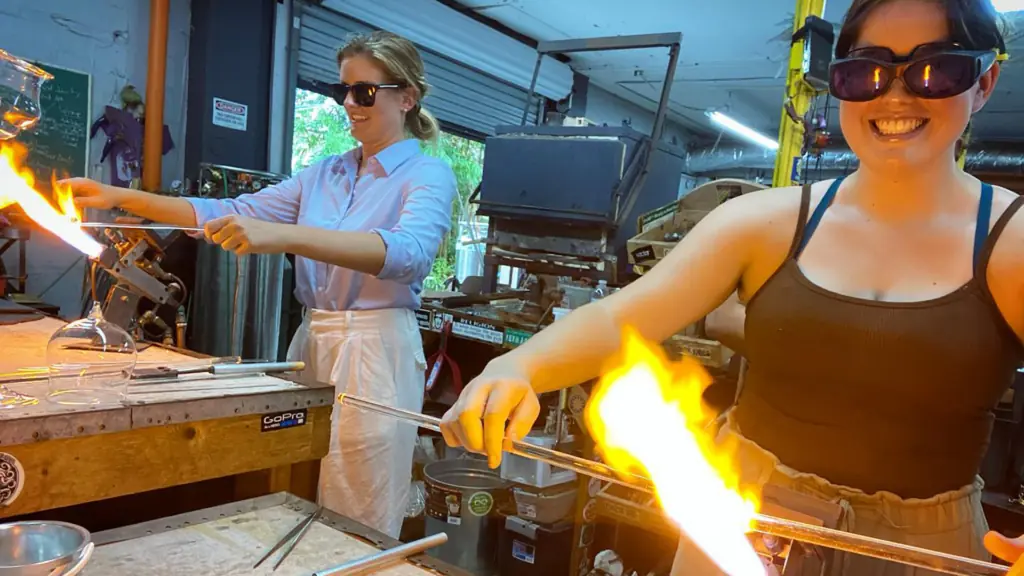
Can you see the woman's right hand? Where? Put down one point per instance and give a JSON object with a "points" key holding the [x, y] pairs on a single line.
{"points": [[477, 422], [92, 194]]}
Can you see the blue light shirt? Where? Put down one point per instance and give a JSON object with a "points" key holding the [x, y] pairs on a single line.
{"points": [[404, 196]]}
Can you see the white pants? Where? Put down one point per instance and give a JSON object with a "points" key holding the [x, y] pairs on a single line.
{"points": [[377, 355]]}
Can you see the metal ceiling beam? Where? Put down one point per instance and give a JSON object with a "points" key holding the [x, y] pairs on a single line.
{"points": [[637, 41]]}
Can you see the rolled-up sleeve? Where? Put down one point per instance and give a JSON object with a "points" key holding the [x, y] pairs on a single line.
{"points": [[426, 218], [278, 203]]}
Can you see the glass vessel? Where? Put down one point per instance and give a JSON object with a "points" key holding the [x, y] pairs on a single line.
{"points": [[90, 362], [20, 84]]}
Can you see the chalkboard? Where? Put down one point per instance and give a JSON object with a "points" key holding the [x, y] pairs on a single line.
{"points": [[59, 142]]}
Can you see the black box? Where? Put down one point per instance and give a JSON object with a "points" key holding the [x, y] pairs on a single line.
{"points": [[528, 549]]}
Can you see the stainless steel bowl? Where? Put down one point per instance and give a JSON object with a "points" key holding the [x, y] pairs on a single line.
{"points": [[37, 548]]}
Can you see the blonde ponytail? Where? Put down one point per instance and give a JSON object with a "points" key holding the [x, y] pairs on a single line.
{"points": [[422, 124]]}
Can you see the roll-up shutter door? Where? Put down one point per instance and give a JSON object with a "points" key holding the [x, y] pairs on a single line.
{"points": [[458, 96]]}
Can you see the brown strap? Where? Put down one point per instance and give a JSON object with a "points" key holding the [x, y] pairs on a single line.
{"points": [[993, 236], [801, 221]]}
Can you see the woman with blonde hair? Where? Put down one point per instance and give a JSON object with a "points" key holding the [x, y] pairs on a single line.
{"points": [[365, 227]]}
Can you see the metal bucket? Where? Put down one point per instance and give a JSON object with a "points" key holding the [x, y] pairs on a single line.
{"points": [[43, 548], [463, 500]]}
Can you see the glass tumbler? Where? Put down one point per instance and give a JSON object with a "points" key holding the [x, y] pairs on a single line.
{"points": [[90, 362]]}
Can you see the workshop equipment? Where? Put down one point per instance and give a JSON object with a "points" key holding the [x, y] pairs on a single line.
{"points": [[228, 539], [20, 86], [291, 539], [533, 549], [778, 527], [133, 260], [804, 79], [381, 560], [41, 548], [90, 361], [571, 213], [238, 302], [438, 360], [532, 472], [465, 499], [660, 230], [125, 226]]}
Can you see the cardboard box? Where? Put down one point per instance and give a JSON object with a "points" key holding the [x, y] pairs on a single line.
{"points": [[675, 220]]}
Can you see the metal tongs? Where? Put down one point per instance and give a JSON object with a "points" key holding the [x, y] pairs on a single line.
{"points": [[291, 539]]}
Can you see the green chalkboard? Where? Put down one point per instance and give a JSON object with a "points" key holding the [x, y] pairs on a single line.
{"points": [[59, 142]]}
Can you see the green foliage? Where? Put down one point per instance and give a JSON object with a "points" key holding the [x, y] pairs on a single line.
{"points": [[322, 129]]}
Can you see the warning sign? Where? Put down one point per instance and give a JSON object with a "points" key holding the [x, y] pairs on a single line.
{"points": [[228, 114]]}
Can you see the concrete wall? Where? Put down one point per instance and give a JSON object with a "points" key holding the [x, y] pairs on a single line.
{"points": [[108, 39]]}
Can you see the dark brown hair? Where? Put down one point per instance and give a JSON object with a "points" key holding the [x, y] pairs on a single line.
{"points": [[402, 64], [974, 24]]}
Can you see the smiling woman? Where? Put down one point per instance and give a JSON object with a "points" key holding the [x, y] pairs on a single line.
{"points": [[365, 226], [884, 317]]}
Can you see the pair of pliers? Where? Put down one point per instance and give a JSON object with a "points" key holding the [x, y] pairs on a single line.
{"points": [[438, 360]]}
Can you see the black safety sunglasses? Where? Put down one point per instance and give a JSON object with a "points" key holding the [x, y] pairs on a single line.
{"points": [[363, 93], [931, 71]]}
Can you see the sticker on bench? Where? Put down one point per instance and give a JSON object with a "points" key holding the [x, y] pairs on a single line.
{"points": [[282, 420]]}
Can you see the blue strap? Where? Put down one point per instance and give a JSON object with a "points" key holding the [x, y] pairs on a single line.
{"points": [[819, 211], [984, 218]]}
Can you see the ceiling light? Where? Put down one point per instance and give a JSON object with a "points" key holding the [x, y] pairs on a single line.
{"points": [[1009, 5], [743, 131]]}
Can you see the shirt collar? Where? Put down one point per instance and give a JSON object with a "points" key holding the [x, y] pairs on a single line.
{"points": [[389, 159]]}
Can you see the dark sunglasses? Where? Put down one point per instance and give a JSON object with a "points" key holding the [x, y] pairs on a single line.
{"points": [[931, 71], [363, 93]]}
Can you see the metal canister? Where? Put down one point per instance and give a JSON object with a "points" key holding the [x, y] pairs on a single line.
{"points": [[464, 498]]}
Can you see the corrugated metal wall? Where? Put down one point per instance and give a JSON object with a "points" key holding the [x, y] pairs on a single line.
{"points": [[458, 95]]}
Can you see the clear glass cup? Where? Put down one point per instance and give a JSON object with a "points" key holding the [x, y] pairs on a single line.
{"points": [[90, 362], [20, 85]]}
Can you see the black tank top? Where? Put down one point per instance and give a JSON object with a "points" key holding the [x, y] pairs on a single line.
{"points": [[879, 396]]}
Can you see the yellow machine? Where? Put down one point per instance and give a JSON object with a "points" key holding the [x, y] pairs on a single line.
{"points": [[799, 96]]}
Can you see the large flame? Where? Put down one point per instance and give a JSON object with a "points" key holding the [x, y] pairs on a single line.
{"points": [[647, 416], [17, 186]]}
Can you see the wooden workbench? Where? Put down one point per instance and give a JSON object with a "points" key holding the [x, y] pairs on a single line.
{"points": [[228, 540], [167, 434]]}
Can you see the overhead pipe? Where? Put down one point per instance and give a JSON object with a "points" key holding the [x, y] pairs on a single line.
{"points": [[731, 158], [156, 77]]}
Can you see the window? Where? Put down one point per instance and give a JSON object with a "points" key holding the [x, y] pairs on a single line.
{"points": [[322, 129]]}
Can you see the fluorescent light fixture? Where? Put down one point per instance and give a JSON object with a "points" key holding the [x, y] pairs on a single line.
{"points": [[1009, 5], [743, 131]]}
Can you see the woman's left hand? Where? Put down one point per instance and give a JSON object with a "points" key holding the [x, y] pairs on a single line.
{"points": [[1008, 549], [244, 235]]}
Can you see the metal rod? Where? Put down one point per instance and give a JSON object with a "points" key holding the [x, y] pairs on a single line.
{"points": [[375, 562], [291, 536], [519, 448], [302, 532], [814, 535], [112, 226], [257, 367]]}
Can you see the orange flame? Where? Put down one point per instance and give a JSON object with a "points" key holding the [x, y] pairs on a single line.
{"points": [[17, 187], [647, 417]]}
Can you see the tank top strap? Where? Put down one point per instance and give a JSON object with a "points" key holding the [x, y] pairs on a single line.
{"points": [[983, 221], [819, 212], [990, 238], [801, 221]]}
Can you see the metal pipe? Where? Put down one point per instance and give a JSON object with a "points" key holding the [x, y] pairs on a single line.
{"points": [[517, 447], [814, 535], [256, 367], [153, 135], [121, 226], [375, 562]]}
